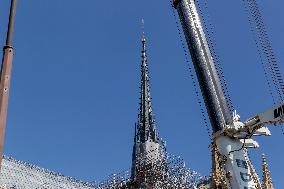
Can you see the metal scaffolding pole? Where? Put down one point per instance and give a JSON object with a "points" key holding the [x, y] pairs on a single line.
{"points": [[6, 69]]}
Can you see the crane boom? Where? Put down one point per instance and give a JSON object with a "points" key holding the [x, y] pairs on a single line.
{"points": [[6, 69], [238, 172], [203, 62]]}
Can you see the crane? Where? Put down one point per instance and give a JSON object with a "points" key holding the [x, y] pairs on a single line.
{"points": [[6, 68], [231, 136]]}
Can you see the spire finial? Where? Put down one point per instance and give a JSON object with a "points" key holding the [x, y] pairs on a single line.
{"points": [[143, 26], [143, 29]]}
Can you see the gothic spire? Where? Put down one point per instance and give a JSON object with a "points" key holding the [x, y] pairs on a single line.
{"points": [[148, 148], [267, 180], [146, 130]]}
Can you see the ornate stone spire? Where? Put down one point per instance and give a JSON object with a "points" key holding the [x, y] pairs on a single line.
{"points": [[267, 180], [148, 149], [146, 123]]}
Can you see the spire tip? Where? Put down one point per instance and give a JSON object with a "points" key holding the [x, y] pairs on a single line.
{"points": [[143, 29]]}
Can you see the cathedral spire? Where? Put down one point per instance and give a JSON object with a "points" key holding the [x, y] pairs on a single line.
{"points": [[267, 180], [148, 149], [146, 130]]}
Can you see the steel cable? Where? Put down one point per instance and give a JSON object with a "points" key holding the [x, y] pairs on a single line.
{"points": [[267, 56]]}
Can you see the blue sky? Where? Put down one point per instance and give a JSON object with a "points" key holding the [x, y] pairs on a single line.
{"points": [[75, 83]]}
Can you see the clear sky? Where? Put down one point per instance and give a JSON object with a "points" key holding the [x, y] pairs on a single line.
{"points": [[75, 83]]}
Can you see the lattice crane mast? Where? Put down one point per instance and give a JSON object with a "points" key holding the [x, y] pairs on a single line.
{"points": [[231, 136]]}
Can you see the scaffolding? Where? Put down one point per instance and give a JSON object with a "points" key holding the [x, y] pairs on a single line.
{"points": [[166, 173]]}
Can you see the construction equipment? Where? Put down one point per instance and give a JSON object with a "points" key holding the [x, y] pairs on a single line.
{"points": [[6, 69], [231, 137]]}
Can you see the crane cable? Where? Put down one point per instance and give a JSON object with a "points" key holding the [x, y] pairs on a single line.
{"points": [[267, 56], [265, 47], [191, 72], [252, 29]]}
